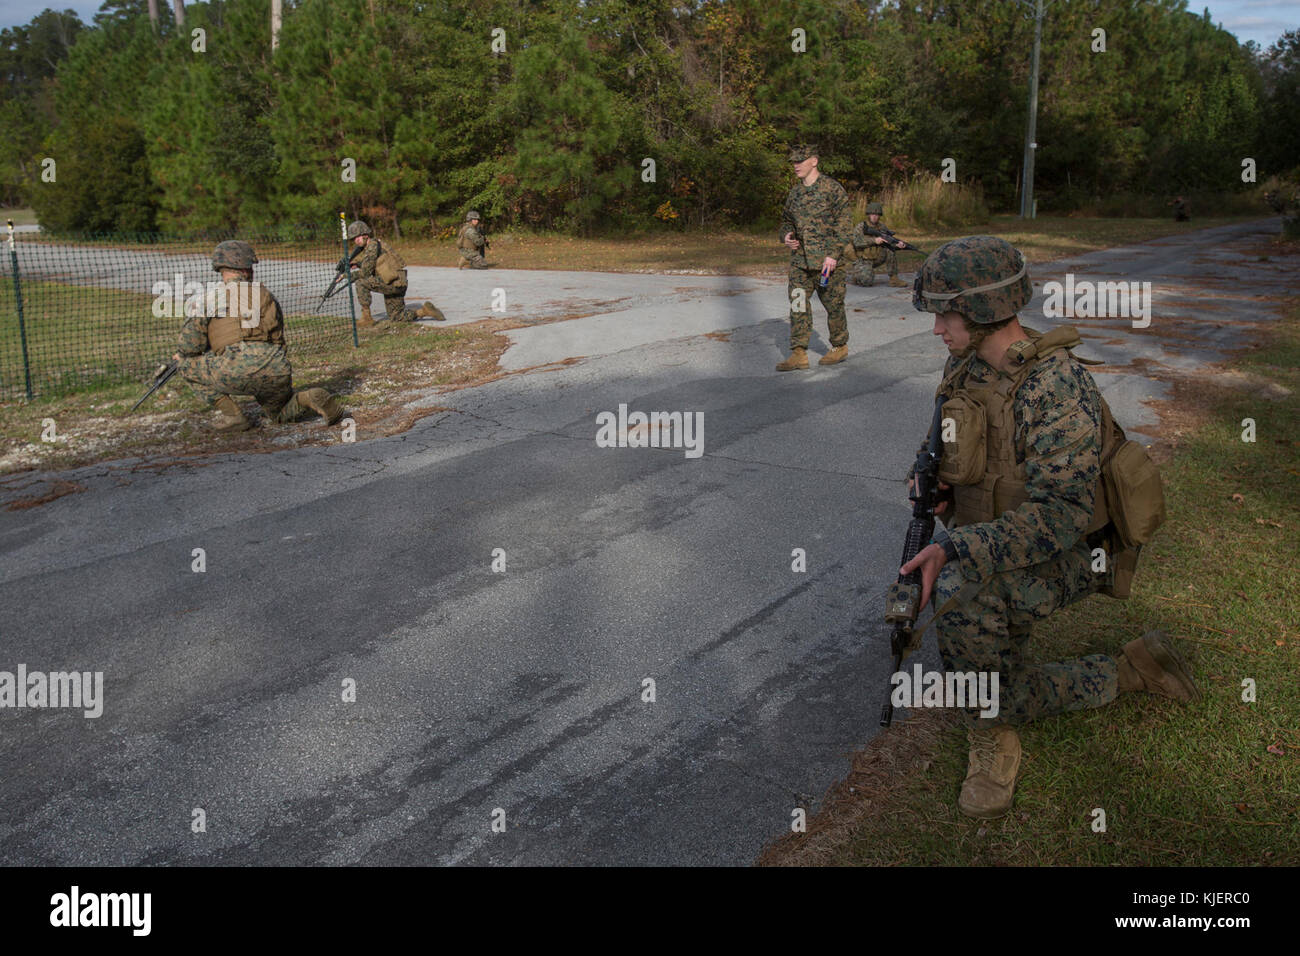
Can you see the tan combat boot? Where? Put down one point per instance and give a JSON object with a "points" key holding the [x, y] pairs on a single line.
{"points": [[232, 417], [834, 356], [431, 311], [798, 359], [1152, 665], [991, 774], [896, 282], [367, 320], [322, 403]]}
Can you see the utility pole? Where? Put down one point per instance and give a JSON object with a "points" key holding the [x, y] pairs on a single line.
{"points": [[1031, 131]]}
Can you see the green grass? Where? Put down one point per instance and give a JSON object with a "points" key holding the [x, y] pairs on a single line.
{"points": [[86, 337], [1180, 783], [21, 217]]}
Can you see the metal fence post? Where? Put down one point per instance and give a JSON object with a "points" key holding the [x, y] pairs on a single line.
{"points": [[18, 304], [347, 267]]}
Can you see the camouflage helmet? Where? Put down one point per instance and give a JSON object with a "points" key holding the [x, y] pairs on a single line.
{"points": [[472, 214], [984, 278], [233, 254], [801, 151], [358, 228], [875, 209]]}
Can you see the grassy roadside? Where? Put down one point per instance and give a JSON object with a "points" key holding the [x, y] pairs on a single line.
{"points": [[378, 379], [1215, 783], [392, 366], [758, 253]]}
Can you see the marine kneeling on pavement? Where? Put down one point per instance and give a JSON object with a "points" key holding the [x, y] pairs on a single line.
{"points": [[382, 270], [1041, 477], [240, 350]]}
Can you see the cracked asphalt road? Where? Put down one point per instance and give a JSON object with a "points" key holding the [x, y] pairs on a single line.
{"points": [[372, 563]]}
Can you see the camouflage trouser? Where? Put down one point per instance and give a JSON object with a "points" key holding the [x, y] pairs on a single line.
{"points": [[473, 259], [394, 297], [990, 632], [832, 297], [863, 271], [248, 368]]}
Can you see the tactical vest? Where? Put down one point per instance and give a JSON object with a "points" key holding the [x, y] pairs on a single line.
{"points": [[389, 266], [988, 481], [462, 241], [229, 326]]}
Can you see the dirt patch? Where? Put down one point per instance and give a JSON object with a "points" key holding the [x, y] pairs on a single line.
{"points": [[376, 383], [870, 788], [55, 489]]}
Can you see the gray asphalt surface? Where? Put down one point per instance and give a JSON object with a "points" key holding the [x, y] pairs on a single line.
{"points": [[519, 690]]}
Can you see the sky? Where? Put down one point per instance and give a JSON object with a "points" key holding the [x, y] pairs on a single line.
{"points": [[1260, 20]]}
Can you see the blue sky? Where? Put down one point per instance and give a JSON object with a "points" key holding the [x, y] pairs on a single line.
{"points": [[1260, 20]]}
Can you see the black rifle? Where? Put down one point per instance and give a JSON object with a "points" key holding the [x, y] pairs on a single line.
{"points": [[160, 377], [904, 597], [339, 271], [891, 240]]}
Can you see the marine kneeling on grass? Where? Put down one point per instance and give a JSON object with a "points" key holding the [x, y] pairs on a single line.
{"points": [[239, 349], [1050, 504], [382, 270]]}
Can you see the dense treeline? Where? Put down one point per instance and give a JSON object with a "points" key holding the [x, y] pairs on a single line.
{"points": [[148, 130]]}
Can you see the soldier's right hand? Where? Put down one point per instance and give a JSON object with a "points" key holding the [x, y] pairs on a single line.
{"points": [[940, 506], [791, 242]]}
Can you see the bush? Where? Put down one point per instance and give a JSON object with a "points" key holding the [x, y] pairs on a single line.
{"points": [[926, 202]]}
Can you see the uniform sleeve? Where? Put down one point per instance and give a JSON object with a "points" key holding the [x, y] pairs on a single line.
{"points": [[1061, 423], [194, 336], [788, 224], [368, 258]]}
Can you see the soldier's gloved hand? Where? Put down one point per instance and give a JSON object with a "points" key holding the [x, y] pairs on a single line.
{"points": [[940, 506]]}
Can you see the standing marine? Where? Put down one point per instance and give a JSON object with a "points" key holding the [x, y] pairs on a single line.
{"points": [[471, 242], [382, 270], [815, 226], [234, 345], [1032, 437], [1181, 213], [873, 251]]}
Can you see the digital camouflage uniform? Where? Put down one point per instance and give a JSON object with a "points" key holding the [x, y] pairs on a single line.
{"points": [[1034, 560], [871, 256], [471, 244], [369, 281], [819, 217], [257, 365], [1017, 546]]}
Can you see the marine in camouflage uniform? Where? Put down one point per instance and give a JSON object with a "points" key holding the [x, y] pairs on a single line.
{"points": [[382, 270], [1181, 213], [471, 243], [815, 226], [239, 349], [871, 254], [1002, 564]]}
